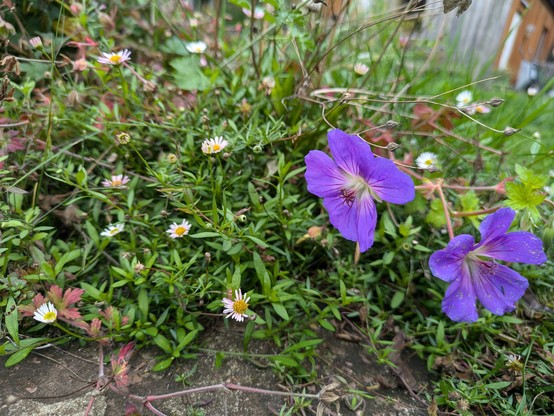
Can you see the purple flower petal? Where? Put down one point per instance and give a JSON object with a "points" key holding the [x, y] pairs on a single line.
{"points": [[497, 287], [446, 264], [496, 224], [349, 151], [355, 222], [387, 181], [519, 246], [366, 222], [323, 175], [459, 300]]}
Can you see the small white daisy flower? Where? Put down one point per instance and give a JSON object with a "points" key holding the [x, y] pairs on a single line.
{"points": [[482, 108], [426, 160], [361, 69], [117, 181], [236, 308], [116, 58], [464, 98], [215, 145], [112, 230], [46, 313], [196, 47], [179, 230]]}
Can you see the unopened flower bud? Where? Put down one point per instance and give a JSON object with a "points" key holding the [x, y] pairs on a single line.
{"points": [[80, 65], [172, 158], [139, 267], [392, 146], [164, 213], [207, 256], [508, 131], [36, 42], [391, 124], [257, 149], [495, 101], [122, 138], [242, 218]]}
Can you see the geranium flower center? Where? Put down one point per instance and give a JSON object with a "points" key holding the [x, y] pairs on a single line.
{"points": [[240, 306], [356, 188]]}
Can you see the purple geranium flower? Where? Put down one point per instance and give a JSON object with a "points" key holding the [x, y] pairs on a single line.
{"points": [[473, 273], [351, 182]]}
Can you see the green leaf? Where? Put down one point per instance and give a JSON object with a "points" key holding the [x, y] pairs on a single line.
{"points": [[498, 385], [18, 356], [262, 273], [397, 299], [435, 216], [530, 178], [11, 319], [66, 258], [188, 75], [163, 343], [207, 234], [470, 202], [143, 303], [281, 311], [521, 196], [187, 340], [163, 364], [327, 325]]}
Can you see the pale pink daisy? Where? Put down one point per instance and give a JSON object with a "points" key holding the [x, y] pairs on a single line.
{"points": [[258, 12], [117, 181], [46, 313], [361, 69], [215, 145], [236, 308], [115, 58], [179, 230]]}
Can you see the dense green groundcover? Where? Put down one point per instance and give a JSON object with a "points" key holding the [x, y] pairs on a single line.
{"points": [[272, 88]]}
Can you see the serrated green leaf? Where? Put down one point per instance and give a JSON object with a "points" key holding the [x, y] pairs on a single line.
{"points": [[521, 196], [435, 216], [530, 178]]}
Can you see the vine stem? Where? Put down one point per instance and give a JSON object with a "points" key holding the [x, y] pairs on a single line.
{"points": [[222, 386]]}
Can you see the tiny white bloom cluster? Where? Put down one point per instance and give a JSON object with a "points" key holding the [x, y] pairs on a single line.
{"points": [[116, 58], [215, 145], [361, 69]]}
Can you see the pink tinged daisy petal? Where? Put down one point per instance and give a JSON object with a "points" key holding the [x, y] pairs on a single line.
{"points": [[324, 177], [519, 246], [459, 301], [497, 287], [447, 264], [387, 181]]}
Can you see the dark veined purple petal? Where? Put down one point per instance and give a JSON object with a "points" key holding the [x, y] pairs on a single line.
{"points": [[356, 222], [349, 151], [387, 181], [497, 287], [496, 224], [519, 246], [459, 299], [446, 264], [323, 175]]}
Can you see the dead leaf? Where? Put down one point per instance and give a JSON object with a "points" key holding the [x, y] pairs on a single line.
{"points": [[450, 5]]}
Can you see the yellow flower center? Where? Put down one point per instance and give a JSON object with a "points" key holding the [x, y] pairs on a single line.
{"points": [[180, 230], [114, 231], [116, 182], [428, 162], [115, 59], [216, 147], [49, 316], [240, 306]]}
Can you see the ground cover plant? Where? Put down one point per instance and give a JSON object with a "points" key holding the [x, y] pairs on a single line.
{"points": [[283, 170]]}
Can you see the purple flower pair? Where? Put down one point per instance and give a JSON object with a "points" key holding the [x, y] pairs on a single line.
{"points": [[352, 182]]}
